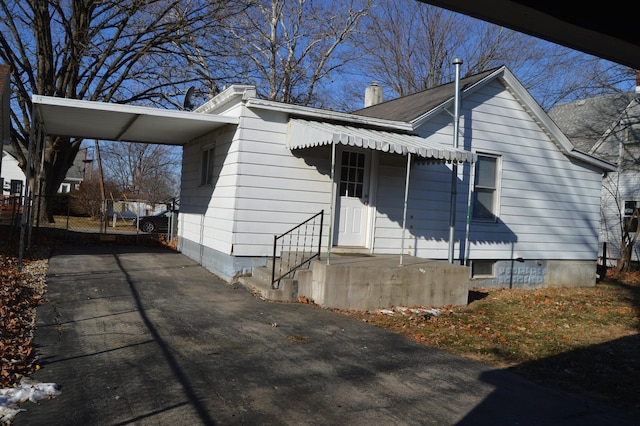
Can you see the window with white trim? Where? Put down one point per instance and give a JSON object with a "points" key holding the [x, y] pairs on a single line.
{"points": [[485, 193], [206, 171]]}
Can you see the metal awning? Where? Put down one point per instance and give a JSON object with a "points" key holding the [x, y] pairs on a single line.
{"points": [[306, 134], [118, 122]]}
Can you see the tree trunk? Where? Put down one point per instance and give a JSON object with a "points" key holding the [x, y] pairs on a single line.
{"points": [[627, 242], [58, 158]]}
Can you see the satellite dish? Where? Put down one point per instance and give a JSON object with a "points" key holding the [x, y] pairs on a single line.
{"points": [[188, 104]]}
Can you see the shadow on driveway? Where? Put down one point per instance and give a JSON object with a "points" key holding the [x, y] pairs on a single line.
{"points": [[143, 335]]}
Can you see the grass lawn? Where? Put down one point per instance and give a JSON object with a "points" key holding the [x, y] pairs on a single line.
{"points": [[87, 224]]}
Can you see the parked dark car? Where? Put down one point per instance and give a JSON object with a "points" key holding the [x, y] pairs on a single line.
{"points": [[158, 222]]}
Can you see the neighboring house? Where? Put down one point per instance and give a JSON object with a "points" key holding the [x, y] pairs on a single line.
{"points": [[609, 127], [12, 176], [532, 199], [14, 179], [76, 173]]}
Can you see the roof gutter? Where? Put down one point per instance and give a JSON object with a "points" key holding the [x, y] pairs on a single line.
{"points": [[322, 114], [594, 161]]}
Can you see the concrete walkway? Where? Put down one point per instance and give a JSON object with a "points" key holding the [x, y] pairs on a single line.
{"points": [[145, 336]]}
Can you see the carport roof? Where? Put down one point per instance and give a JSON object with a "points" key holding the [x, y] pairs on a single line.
{"points": [[118, 122]]}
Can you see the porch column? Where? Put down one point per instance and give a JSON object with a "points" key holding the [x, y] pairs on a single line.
{"points": [[404, 213], [333, 201]]}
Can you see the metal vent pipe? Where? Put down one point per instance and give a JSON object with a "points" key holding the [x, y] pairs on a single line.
{"points": [[454, 166]]}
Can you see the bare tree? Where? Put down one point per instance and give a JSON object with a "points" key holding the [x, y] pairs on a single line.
{"points": [[126, 51], [411, 46], [87, 199], [290, 47], [143, 169]]}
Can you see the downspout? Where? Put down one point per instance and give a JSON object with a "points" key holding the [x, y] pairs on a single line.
{"points": [[404, 213], [454, 166]]}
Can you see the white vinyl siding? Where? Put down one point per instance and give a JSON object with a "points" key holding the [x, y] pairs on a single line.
{"points": [[277, 189], [548, 205], [260, 188], [206, 214], [543, 212]]}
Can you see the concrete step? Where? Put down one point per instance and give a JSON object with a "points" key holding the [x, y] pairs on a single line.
{"points": [[262, 273], [287, 290]]}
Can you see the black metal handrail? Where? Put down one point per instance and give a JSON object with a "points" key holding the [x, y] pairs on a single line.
{"points": [[305, 231]]}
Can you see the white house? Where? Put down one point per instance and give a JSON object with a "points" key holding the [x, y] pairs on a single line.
{"points": [[527, 202], [14, 178], [609, 127], [522, 209]]}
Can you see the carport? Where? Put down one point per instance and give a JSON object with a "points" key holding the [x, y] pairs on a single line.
{"points": [[61, 117]]}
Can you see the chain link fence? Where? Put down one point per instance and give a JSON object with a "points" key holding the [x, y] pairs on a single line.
{"points": [[80, 217]]}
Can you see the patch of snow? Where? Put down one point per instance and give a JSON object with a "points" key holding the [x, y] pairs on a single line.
{"points": [[28, 390]]}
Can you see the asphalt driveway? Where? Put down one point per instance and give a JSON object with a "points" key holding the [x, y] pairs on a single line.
{"points": [[145, 336]]}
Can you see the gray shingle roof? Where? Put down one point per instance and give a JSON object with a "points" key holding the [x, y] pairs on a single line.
{"points": [[585, 121], [411, 107]]}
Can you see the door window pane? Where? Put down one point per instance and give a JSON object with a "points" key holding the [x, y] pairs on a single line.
{"points": [[352, 174]]}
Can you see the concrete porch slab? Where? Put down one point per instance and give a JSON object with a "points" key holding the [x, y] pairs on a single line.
{"points": [[361, 281]]}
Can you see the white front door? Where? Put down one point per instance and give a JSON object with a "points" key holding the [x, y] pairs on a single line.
{"points": [[353, 199]]}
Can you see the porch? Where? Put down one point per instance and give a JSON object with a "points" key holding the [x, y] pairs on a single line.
{"points": [[365, 281]]}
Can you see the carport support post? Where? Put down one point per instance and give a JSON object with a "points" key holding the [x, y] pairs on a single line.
{"points": [[454, 166], [25, 204]]}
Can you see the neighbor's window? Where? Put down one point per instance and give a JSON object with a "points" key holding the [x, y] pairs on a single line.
{"points": [[206, 176], [632, 134], [16, 187], [485, 192], [630, 223], [483, 268]]}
